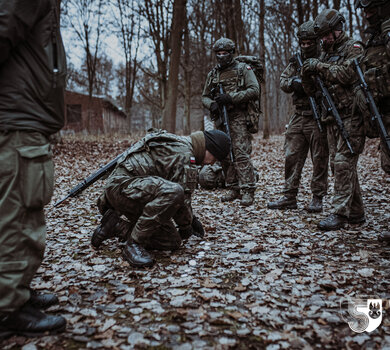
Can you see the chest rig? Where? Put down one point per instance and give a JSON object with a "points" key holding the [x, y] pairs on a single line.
{"points": [[376, 66]]}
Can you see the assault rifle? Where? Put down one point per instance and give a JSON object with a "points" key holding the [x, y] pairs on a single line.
{"points": [[91, 179], [329, 105], [313, 104], [375, 115]]}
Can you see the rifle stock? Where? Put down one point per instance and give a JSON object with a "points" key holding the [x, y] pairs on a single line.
{"points": [[375, 115]]}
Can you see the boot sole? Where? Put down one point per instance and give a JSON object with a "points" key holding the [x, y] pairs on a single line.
{"points": [[7, 334], [284, 207]]}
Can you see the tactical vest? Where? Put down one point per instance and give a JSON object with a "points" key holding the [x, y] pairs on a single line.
{"points": [[343, 96], [139, 160], [376, 66]]}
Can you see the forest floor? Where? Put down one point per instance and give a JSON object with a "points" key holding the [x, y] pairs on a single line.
{"points": [[260, 279]]}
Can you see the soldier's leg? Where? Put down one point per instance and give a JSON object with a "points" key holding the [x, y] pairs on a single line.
{"points": [[242, 149], [320, 157], [26, 185], [151, 202]]}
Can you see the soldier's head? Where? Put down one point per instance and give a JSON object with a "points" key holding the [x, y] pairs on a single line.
{"points": [[329, 25], [224, 49], [307, 39], [217, 146], [375, 11]]}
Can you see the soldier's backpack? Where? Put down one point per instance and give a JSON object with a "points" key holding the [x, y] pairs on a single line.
{"points": [[254, 106]]}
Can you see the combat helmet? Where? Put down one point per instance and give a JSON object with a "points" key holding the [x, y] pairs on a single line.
{"points": [[306, 31], [224, 44], [328, 21], [382, 10]]}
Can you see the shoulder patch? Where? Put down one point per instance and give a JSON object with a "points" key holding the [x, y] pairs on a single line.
{"points": [[358, 46], [249, 67]]}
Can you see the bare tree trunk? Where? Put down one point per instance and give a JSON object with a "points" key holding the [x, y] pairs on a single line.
{"points": [[264, 86], [336, 4], [178, 19], [187, 82], [300, 12]]}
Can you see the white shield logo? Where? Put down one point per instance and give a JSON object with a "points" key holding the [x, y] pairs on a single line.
{"points": [[363, 315]]}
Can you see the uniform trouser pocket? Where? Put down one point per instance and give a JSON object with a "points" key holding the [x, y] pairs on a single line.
{"points": [[36, 175]]}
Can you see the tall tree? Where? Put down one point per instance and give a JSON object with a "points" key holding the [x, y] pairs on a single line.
{"points": [[266, 131], [177, 27]]}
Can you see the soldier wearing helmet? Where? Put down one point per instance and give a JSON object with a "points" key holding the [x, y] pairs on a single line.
{"points": [[302, 132], [375, 64], [240, 86], [336, 70]]}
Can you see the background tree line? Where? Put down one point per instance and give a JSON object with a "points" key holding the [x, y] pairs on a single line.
{"points": [[153, 56]]}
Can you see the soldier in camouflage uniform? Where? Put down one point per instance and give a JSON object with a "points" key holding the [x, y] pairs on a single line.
{"points": [[240, 86], [152, 186], [303, 133], [335, 67], [375, 64]]}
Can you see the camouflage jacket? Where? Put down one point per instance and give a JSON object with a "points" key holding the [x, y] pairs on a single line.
{"points": [[338, 73], [238, 80], [375, 64], [300, 99], [165, 155]]}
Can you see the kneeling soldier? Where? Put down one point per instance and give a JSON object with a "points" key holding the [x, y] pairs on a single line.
{"points": [[152, 186]]}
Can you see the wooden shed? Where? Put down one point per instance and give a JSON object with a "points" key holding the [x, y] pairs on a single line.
{"points": [[97, 115]]}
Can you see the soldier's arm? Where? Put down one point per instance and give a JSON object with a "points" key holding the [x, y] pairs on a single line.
{"points": [[342, 73], [16, 22], [286, 78], [206, 95], [252, 88], [183, 217]]}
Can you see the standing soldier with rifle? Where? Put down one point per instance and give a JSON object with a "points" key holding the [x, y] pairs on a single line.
{"points": [[344, 122], [228, 89], [304, 131], [375, 65]]}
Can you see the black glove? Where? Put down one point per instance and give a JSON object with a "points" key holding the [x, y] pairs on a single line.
{"points": [[186, 233], [197, 227], [223, 99]]}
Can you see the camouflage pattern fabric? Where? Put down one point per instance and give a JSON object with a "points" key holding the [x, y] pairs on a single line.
{"points": [[339, 76], [26, 186], [152, 187], [303, 135], [240, 174], [211, 177], [375, 64]]}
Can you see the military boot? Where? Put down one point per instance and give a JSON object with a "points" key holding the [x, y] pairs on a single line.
{"points": [[283, 203], [231, 195], [136, 255], [384, 237], [42, 300], [111, 226], [332, 222], [29, 321], [248, 198], [315, 205]]}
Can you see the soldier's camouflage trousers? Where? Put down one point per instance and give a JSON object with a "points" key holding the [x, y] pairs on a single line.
{"points": [[149, 203], [303, 135], [347, 200], [26, 185], [385, 154], [240, 175]]}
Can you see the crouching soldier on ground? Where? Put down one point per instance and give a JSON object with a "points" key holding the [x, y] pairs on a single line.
{"points": [[152, 186]]}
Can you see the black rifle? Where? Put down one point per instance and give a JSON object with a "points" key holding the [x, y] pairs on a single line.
{"points": [[312, 101], [91, 179], [225, 119], [331, 107], [375, 115]]}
